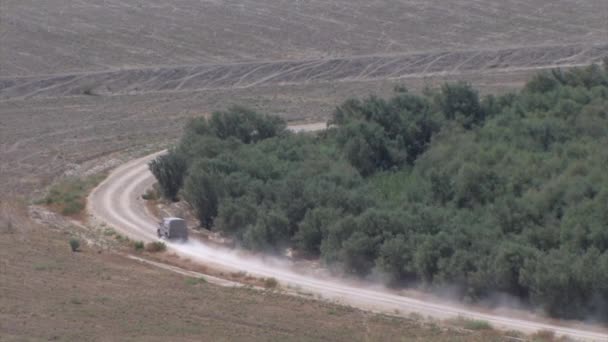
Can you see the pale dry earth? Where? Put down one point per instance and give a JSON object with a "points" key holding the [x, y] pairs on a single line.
{"points": [[65, 36]]}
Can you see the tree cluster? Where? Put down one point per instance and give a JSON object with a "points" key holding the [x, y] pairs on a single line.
{"points": [[502, 194]]}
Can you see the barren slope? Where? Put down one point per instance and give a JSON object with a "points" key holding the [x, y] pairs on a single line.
{"points": [[57, 36]]}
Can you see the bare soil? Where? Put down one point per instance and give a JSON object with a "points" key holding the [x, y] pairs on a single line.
{"points": [[335, 70], [65, 36]]}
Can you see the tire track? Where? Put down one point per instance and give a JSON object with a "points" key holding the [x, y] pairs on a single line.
{"points": [[266, 73]]}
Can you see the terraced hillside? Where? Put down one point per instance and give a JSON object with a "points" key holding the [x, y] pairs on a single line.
{"points": [[64, 36], [245, 75]]}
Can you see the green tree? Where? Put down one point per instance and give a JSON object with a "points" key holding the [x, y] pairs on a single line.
{"points": [[461, 102], [201, 191], [169, 170]]}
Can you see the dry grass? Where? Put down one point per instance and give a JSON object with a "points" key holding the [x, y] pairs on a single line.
{"points": [[68, 196], [547, 336], [470, 324], [155, 247]]}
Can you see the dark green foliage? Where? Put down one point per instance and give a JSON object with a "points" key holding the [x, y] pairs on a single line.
{"points": [[169, 170], [244, 125], [508, 193], [461, 102], [138, 246], [271, 230], [312, 228], [201, 191], [75, 245]]}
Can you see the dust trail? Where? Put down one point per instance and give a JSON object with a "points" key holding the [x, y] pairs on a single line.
{"points": [[375, 298]]}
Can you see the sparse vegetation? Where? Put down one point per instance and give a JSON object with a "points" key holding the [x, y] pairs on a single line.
{"points": [[150, 195], [473, 324], [270, 283], [544, 336], [502, 193], [109, 232], [68, 196], [195, 281], [155, 247], [75, 245]]}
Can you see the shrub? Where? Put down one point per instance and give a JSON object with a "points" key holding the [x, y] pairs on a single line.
{"points": [[169, 170], [470, 324], [72, 207], [68, 196], [109, 232], [270, 283], [543, 336], [138, 245], [477, 325], [75, 245], [195, 281], [150, 195], [157, 246]]}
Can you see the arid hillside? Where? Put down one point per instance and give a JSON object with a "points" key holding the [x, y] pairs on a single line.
{"points": [[59, 36], [86, 85]]}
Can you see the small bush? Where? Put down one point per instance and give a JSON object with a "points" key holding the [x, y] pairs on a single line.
{"points": [[68, 196], [477, 325], [109, 232], [150, 195], [195, 281], [75, 245], [543, 336], [156, 246], [270, 283], [138, 245]]}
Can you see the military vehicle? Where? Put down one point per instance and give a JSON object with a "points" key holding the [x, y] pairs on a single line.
{"points": [[172, 228]]}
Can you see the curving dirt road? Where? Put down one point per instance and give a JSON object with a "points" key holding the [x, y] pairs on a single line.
{"points": [[117, 201]]}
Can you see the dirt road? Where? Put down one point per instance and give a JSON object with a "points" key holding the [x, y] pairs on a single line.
{"points": [[117, 202]]}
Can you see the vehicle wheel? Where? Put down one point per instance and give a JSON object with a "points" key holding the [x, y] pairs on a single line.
{"points": [[158, 232]]}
